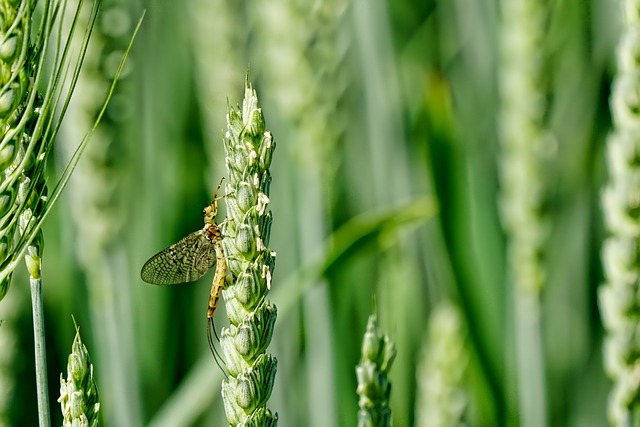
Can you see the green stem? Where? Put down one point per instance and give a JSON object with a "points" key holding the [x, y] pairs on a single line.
{"points": [[530, 359], [40, 353]]}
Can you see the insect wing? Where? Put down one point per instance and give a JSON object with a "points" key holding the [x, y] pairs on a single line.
{"points": [[184, 261]]}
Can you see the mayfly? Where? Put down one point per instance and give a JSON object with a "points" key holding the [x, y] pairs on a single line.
{"points": [[190, 258]]}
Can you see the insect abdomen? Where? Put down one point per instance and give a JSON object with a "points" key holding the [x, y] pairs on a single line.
{"points": [[218, 279]]}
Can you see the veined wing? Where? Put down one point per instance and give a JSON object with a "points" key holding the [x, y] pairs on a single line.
{"points": [[184, 261]]}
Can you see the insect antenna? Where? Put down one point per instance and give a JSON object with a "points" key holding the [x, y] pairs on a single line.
{"points": [[214, 351]]}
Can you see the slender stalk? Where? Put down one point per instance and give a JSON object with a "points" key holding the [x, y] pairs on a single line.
{"points": [[40, 352]]}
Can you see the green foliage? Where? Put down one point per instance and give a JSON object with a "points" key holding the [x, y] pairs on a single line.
{"points": [[386, 183]]}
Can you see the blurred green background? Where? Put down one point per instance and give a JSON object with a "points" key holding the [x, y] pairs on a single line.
{"points": [[384, 186]]}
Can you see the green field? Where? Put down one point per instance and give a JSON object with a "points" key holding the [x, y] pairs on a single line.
{"points": [[437, 157]]}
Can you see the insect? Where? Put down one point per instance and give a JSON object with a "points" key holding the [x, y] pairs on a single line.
{"points": [[190, 258]]}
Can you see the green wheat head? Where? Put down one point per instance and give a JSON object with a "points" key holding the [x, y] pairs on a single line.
{"points": [[618, 296], [442, 397], [246, 233], [524, 142], [526, 146], [374, 387], [29, 96], [310, 80], [79, 392], [23, 151]]}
